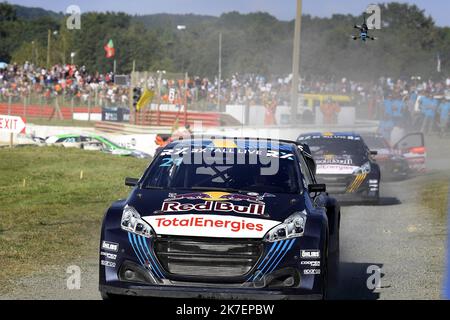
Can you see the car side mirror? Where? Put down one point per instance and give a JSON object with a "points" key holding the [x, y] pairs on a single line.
{"points": [[317, 188], [373, 152], [131, 182]]}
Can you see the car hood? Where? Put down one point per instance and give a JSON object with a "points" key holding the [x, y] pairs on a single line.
{"points": [[121, 152], [214, 214]]}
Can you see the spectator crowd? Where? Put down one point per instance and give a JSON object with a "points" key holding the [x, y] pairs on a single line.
{"points": [[414, 105], [72, 83], [411, 104]]}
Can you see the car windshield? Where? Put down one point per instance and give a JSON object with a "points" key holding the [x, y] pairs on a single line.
{"points": [[167, 173], [326, 146]]}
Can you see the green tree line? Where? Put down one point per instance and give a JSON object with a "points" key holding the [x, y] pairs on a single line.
{"points": [[407, 45]]}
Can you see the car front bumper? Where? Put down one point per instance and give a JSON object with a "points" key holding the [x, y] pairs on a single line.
{"points": [[350, 188], [299, 275], [120, 289]]}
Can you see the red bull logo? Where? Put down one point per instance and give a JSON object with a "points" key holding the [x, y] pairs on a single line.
{"points": [[215, 202], [211, 206]]}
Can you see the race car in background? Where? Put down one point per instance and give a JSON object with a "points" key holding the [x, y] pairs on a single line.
{"points": [[412, 148], [196, 225], [346, 165], [407, 157], [393, 164], [93, 142], [66, 141]]}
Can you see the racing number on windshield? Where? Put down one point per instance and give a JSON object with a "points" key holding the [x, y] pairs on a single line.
{"points": [[168, 162]]}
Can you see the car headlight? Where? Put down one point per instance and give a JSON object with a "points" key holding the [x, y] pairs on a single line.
{"points": [[292, 227], [364, 169], [132, 222]]}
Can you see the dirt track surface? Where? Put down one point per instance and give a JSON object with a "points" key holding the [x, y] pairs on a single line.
{"points": [[404, 238]]}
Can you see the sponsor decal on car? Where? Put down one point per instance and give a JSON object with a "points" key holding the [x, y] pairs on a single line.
{"points": [[240, 151], [108, 255], [357, 182], [110, 246], [214, 226], [311, 271], [335, 169], [224, 143], [335, 161], [217, 202], [108, 264], [172, 207], [310, 254], [330, 135], [311, 263]]}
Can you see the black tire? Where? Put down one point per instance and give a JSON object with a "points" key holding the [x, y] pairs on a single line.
{"points": [[373, 200], [325, 281], [376, 199], [334, 258], [325, 273], [333, 269], [105, 296]]}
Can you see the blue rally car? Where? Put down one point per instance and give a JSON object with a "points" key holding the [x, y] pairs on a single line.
{"points": [[223, 218]]}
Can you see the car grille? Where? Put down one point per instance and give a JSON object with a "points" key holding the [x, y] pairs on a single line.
{"points": [[207, 257], [336, 183]]}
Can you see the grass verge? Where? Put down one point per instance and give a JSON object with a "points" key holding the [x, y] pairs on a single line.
{"points": [[48, 215], [435, 196]]}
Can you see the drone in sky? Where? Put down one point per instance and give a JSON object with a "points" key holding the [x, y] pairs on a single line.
{"points": [[363, 32]]}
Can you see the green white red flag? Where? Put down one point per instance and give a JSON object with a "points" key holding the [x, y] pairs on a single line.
{"points": [[110, 50]]}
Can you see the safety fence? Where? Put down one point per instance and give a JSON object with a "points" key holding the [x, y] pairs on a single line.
{"points": [[168, 118], [147, 118], [129, 129], [43, 111]]}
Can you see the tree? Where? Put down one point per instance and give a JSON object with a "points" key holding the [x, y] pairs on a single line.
{"points": [[252, 43], [8, 18]]}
